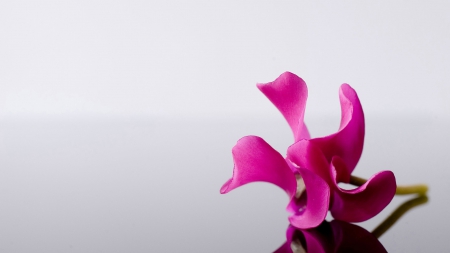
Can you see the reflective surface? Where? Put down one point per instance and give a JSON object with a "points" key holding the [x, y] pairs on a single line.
{"points": [[334, 236], [152, 185]]}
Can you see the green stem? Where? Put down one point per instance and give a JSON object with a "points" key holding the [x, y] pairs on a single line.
{"points": [[399, 212], [420, 189]]}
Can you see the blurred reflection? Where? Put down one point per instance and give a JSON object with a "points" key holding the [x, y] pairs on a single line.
{"points": [[334, 236], [339, 236], [399, 212]]}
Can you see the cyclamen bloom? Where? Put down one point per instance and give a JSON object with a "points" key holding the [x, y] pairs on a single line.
{"points": [[313, 167]]}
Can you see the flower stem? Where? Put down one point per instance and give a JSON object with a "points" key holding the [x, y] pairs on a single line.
{"points": [[399, 212], [420, 189]]}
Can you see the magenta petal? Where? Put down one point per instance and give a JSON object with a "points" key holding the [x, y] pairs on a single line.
{"points": [[366, 201], [349, 140], [289, 93], [307, 155], [317, 201], [255, 160]]}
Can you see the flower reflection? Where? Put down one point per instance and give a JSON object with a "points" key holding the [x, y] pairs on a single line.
{"points": [[334, 236], [340, 236]]}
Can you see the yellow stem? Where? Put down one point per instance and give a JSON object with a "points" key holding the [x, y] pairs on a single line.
{"points": [[420, 189]]}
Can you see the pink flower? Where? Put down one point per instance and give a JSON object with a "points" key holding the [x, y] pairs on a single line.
{"points": [[334, 236], [313, 167]]}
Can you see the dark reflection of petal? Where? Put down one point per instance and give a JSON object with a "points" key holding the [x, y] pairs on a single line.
{"points": [[334, 236], [356, 239]]}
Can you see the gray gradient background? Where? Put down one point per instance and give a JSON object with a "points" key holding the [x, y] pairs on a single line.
{"points": [[117, 117]]}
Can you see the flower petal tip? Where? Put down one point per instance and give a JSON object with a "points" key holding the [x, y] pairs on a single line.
{"points": [[225, 187], [256, 161], [289, 93]]}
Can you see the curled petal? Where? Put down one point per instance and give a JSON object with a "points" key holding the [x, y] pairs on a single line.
{"points": [[289, 93], [364, 202], [313, 210], [255, 160], [349, 140]]}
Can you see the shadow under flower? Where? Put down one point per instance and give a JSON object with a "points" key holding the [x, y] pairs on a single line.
{"points": [[334, 236], [340, 236]]}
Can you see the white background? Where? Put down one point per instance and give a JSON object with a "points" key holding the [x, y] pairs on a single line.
{"points": [[203, 58], [117, 118]]}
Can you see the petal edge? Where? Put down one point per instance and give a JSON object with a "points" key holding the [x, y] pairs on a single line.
{"points": [[256, 161], [289, 94]]}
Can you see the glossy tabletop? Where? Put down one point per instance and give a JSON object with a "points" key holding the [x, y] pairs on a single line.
{"points": [[152, 184]]}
